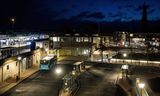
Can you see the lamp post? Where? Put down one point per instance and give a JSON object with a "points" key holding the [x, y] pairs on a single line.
{"points": [[141, 86], [19, 67], [12, 22], [46, 51], [124, 56], [58, 71], [124, 70], [130, 37]]}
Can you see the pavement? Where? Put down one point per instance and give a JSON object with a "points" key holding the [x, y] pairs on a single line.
{"points": [[123, 83], [144, 77], [130, 89], [10, 83]]}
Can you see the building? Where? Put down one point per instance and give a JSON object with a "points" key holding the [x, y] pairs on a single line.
{"points": [[16, 58]]}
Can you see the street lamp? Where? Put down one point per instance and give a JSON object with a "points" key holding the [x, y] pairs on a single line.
{"points": [[141, 86], [130, 36], [12, 19], [46, 50], [124, 70], [13, 22], [58, 71], [19, 70], [124, 56]]}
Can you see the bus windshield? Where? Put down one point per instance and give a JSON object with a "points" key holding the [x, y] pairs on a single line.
{"points": [[44, 62]]}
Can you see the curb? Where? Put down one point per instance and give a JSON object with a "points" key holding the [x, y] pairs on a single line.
{"points": [[129, 91], [79, 85]]}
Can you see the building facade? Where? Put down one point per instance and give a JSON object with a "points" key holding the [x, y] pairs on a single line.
{"points": [[16, 60]]}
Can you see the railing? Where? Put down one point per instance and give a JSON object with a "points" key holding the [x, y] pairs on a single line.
{"points": [[73, 44], [136, 62], [13, 51]]}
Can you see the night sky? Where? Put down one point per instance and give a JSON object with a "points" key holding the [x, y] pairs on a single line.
{"points": [[40, 13]]}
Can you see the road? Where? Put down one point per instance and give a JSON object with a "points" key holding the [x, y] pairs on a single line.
{"points": [[98, 81], [42, 83]]}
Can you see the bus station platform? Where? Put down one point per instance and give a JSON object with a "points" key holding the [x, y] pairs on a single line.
{"points": [[10, 83]]}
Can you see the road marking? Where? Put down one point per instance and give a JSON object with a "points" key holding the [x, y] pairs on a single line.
{"points": [[19, 90]]}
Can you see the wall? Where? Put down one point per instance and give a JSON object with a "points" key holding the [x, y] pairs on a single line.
{"points": [[43, 44], [0, 74], [9, 69], [11, 65]]}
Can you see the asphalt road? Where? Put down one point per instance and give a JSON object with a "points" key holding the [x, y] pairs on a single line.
{"points": [[42, 83], [98, 81]]}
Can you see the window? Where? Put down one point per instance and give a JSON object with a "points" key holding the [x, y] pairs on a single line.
{"points": [[7, 67]]}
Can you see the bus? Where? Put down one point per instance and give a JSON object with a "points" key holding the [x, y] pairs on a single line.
{"points": [[48, 62]]}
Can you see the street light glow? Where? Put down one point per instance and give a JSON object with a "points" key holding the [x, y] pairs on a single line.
{"points": [[125, 67], [46, 49], [124, 55], [28, 43], [141, 85], [12, 19], [131, 35], [19, 58], [58, 70]]}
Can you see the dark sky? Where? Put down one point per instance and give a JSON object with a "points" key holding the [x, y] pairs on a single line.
{"points": [[45, 12]]}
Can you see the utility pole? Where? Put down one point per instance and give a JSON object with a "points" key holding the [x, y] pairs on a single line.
{"points": [[130, 38], [19, 68]]}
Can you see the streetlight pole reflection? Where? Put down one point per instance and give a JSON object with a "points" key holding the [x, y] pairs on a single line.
{"points": [[141, 86], [124, 56], [58, 71]]}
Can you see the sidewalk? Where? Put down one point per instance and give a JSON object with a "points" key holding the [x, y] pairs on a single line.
{"points": [[10, 83], [145, 77], [126, 87]]}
